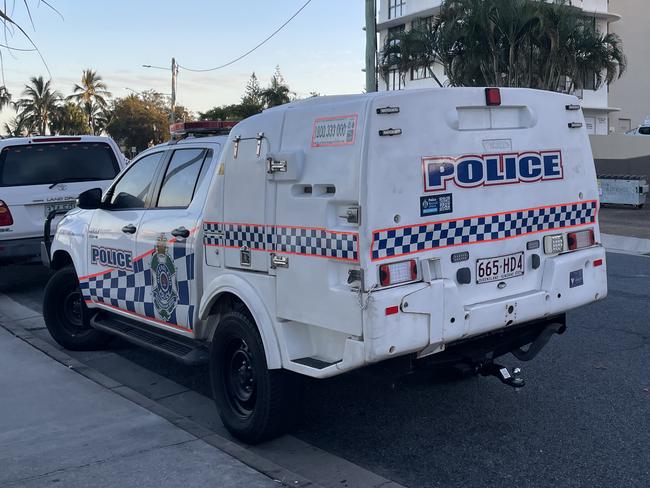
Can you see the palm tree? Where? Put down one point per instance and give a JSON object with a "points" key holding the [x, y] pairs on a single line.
{"points": [[15, 127], [5, 97], [91, 95], [520, 43], [39, 104]]}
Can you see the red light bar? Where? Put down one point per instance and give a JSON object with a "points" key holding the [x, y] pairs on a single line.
{"points": [[492, 96], [203, 126], [56, 139]]}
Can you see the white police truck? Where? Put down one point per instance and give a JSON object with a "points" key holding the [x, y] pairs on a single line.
{"points": [[447, 226]]}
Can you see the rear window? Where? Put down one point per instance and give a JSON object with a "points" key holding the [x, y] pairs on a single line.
{"points": [[40, 164]]}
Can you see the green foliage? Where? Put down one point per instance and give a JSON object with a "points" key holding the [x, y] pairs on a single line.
{"points": [[520, 43], [38, 105], [91, 95], [69, 119], [139, 121], [254, 100], [278, 92]]}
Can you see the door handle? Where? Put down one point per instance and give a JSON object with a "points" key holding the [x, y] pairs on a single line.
{"points": [[181, 232], [129, 229]]}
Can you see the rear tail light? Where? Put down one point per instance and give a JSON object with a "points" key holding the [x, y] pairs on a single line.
{"points": [[396, 273], [492, 96], [580, 240], [5, 215]]}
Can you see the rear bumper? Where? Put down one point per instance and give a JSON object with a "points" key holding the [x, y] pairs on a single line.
{"points": [[432, 316], [19, 249]]}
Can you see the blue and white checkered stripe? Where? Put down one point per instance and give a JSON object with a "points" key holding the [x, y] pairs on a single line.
{"points": [[131, 291], [281, 239], [387, 243]]}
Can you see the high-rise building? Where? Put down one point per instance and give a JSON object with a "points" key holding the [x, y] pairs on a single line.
{"points": [[630, 93], [396, 15]]}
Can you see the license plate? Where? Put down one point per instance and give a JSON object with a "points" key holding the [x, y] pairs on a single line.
{"points": [[59, 206], [499, 268]]}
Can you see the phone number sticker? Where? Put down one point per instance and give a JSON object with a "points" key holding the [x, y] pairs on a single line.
{"points": [[334, 131]]}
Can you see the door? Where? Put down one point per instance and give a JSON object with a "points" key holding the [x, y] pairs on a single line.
{"points": [[166, 240], [111, 260], [245, 206]]}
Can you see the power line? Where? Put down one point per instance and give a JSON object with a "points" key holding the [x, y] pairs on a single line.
{"points": [[252, 50]]}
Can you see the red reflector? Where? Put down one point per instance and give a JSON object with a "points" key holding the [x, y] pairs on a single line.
{"points": [[492, 96], [392, 310], [598, 262], [5, 215]]}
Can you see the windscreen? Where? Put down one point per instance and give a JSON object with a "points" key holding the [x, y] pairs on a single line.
{"points": [[39, 164]]}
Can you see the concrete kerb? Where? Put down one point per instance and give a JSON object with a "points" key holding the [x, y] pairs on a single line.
{"points": [[271, 470], [625, 244]]}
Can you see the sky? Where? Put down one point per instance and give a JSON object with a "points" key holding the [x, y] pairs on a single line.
{"points": [[321, 50]]}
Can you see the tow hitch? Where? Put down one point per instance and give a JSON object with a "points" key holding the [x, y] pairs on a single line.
{"points": [[503, 374]]}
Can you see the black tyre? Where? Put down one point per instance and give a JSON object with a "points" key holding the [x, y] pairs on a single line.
{"points": [[253, 401], [66, 314]]}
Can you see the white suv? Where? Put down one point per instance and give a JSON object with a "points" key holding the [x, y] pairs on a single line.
{"points": [[42, 174]]}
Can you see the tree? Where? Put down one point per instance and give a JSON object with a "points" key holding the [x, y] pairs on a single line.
{"points": [[278, 92], [5, 97], [15, 127], [138, 122], [39, 104], [91, 95], [519, 43], [69, 119]]}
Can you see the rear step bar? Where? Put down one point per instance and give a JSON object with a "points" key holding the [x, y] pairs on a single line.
{"points": [[182, 349]]}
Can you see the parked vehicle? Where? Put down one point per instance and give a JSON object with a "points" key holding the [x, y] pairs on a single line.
{"points": [[642, 130], [39, 175], [449, 226]]}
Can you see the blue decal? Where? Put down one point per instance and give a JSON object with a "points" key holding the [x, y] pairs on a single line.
{"points": [[436, 205], [111, 258], [576, 278], [491, 169]]}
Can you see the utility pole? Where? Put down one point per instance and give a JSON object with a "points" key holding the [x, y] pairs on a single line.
{"points": [[174, 74], [371, 46]]}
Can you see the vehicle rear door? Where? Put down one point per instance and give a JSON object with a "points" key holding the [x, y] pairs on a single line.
{"points": [[167, 235], [112, 263], [469, 189]]}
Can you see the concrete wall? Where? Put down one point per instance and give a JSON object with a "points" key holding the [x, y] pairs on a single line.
{"points": [[620, 154], [630, 93]]}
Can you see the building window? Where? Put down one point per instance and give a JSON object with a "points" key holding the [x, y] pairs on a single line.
{"points": [[423, 23], [393, 32], [589, 82], [394, 80], [395, 8]]}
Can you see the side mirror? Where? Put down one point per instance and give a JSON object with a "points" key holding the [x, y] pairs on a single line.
{"points": [[90, 199]]}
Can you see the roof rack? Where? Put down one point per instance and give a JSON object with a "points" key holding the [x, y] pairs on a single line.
{"points": [[182, 130]]}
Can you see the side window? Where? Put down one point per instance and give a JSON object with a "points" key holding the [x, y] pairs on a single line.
{"points": [[182, 177], [133, 187]]}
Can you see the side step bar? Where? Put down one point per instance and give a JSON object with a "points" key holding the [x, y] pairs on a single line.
{"points": [[180, 348]]}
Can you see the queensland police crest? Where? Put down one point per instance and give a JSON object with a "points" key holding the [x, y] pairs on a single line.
{"points": [[164, 284]]}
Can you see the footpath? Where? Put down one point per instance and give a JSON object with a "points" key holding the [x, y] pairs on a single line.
{"points": [[59, 428]]}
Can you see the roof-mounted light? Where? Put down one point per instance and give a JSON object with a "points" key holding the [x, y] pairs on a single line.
{"points": [[203, 127]]}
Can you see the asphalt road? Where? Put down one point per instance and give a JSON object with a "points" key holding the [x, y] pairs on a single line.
{"points": [[583, 420]]}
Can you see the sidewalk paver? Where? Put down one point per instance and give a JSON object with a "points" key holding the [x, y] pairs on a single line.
{"points": [[58, 427]]}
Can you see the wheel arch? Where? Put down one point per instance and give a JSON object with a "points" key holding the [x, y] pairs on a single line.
{"points": [[61, 258], [228, 287]]}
